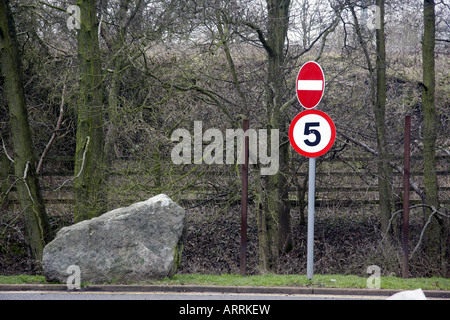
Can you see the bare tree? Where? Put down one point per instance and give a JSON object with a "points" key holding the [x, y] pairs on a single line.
{"points": [[436, 244], [29, 193], [89, 157], [377, 76]]}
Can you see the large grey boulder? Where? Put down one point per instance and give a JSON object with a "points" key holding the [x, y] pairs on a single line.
{"points": [[143, 241]]}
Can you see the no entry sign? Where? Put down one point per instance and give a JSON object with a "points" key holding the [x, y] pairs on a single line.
{"points": [[310, 85], [312, 133]]}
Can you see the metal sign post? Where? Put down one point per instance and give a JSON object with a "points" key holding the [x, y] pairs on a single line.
{"points": [[311, 208], [312, 134]]}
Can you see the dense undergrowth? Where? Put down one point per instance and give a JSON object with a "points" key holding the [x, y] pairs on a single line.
{"points": [[347, 242]]}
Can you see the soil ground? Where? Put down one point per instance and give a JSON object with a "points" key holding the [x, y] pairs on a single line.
{"points": [[347, 241]]}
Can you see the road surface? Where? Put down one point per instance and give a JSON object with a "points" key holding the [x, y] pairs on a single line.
{"points": [[52, 295]]}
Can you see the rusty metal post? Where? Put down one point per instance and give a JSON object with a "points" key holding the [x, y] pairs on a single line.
{"points": [[244, 200], [406, 177]]}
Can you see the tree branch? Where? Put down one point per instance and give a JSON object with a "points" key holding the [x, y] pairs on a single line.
{"points": [[6, 152], [261, 37], [325, 36], [434, 212], [324, 33], [391, 163], [52, 6], [214, 96], [58, 126], [88, 140]]}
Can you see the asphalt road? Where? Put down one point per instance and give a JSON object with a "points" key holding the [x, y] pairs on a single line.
{"points": [[196, 305], [67, 296], [40, 292]]}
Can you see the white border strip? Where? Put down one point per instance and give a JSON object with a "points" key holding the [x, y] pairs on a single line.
{"points": [[310, 85]]}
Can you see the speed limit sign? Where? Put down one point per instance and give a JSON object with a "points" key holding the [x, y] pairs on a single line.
{"points": [[312, 133]]}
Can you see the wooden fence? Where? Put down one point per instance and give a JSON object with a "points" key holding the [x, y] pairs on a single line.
{"points": [[341, 181]]}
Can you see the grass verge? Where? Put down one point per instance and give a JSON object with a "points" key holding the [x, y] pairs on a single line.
{"points": [[272, 280], [319, 281], [23, 279]]}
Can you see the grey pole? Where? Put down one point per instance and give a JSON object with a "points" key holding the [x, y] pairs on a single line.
{"points": [[311, 200]]}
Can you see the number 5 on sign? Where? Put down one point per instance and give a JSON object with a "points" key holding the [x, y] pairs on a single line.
{"points": [[312, 133], [309, 131]]}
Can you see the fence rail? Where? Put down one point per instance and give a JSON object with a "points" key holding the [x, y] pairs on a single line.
{"points": [[341, 180]]}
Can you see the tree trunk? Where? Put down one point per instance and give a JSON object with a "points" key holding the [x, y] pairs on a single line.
{"points": [[384, 170], [378, 97], [115, 43], [275, 229], [5, 163], [38, 231], [435, 244], [89, 157]]}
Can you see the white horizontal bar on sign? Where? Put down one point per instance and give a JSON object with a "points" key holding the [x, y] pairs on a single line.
{"points": [[310, 85]]}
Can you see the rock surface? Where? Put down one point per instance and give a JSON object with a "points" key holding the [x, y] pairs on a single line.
{"points": [[143, 241]]}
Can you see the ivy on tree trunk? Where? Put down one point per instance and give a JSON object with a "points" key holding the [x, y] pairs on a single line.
{"points": [[38, 231], [89, 157], [435, 236]]}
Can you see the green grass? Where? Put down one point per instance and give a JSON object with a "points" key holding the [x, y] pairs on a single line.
{"points": [[24, 279], [319, 281], [271, 280]]}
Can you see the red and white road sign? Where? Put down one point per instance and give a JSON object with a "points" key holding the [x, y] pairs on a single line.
{"points": [[310, 85], [312, 133]]}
